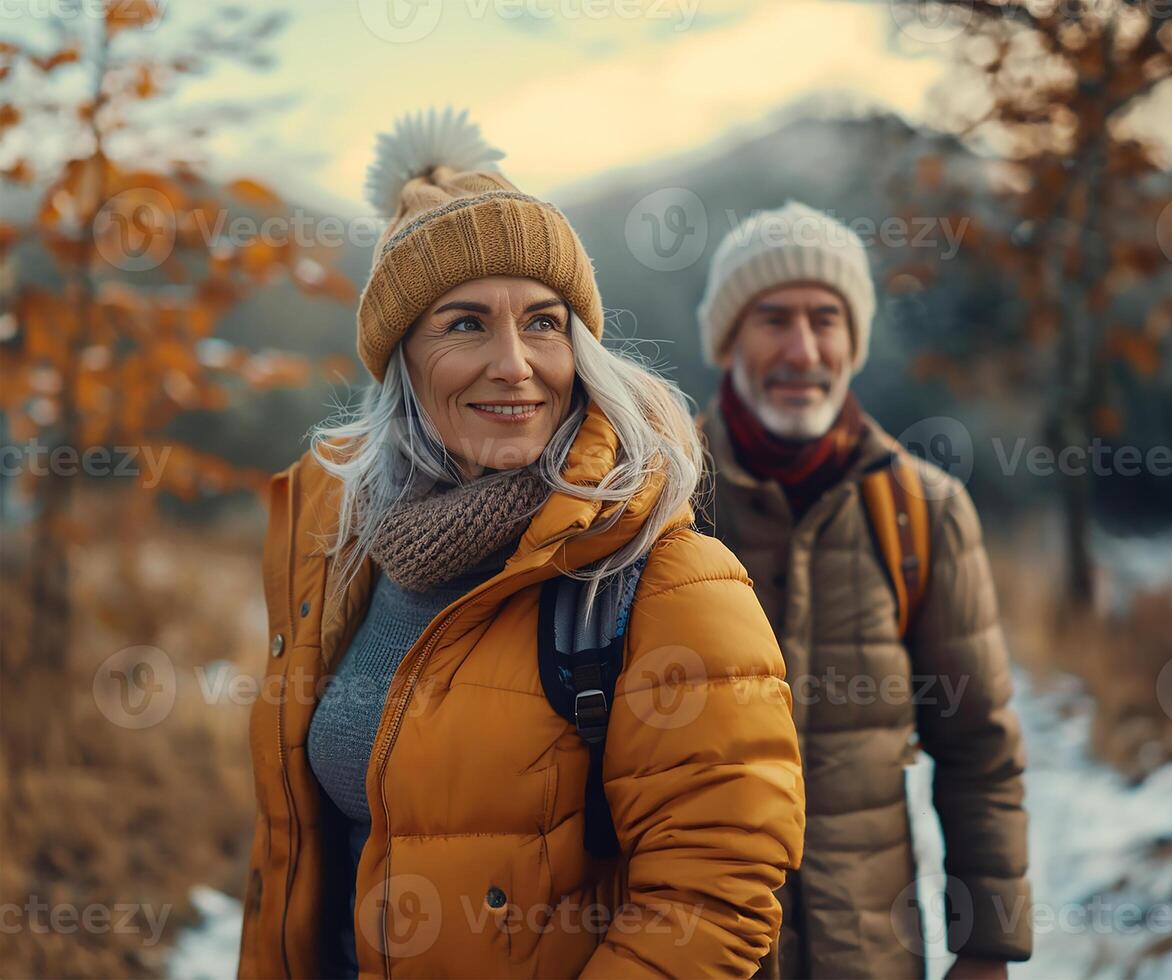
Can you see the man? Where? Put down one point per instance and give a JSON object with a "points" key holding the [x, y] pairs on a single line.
{"points": [[890, 633]]}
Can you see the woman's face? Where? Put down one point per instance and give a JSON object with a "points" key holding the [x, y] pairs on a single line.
{"points": [[492, 365]]}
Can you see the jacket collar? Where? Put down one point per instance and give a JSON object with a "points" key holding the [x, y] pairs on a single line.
{"points": [[551, 544], [592, 456]]}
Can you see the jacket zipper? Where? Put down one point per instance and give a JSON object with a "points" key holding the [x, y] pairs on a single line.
{"points": [[384, 753], [387, 743], [392, 735]]}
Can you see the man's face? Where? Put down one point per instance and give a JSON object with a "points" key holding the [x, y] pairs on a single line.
{"points": [[791, 357]]}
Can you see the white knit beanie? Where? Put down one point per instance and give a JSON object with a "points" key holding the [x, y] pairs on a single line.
{"points": [[768, 249]]}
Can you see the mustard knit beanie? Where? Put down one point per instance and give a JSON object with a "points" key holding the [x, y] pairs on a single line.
{"points": [[454, 217]]}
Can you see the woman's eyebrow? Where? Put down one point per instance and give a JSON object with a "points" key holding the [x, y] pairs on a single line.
{"points": [[463, 304], [467, 304], [543, 304]]}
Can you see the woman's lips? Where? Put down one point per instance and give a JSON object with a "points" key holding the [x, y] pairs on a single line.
{"points": [[507, 413]]}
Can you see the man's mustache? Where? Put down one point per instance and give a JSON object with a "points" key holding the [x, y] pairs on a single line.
{"points": [[786, 376]]}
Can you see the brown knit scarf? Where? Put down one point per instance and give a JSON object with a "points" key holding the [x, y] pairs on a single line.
{"points": [[425, 542]]}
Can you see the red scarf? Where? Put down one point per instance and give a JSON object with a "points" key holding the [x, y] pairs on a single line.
{"points": [[805, 468]]}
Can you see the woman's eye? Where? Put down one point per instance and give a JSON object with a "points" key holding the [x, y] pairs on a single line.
{"points": [[544, 323], [464, 325]]}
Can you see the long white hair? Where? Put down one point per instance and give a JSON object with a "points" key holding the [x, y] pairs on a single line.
{"points": [[387, 451]]}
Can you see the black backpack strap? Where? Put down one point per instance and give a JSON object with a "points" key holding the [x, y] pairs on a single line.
{"points": [[579, 659]]}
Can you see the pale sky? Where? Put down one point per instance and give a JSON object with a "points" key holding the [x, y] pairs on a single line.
{"points": [[569, 89]]}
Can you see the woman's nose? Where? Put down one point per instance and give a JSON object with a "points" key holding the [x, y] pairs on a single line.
{"points": [[509, 357]]}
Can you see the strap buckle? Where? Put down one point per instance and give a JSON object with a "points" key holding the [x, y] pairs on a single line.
{"points": [[590, 714]]}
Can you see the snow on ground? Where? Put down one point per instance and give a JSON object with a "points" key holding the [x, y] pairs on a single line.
{"points": [[1100, 850], [210, 950], [1100, 860], [1133, 564]]}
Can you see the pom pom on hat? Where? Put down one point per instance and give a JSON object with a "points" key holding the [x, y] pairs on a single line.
{"points": [[419, 143], [451, 217]]}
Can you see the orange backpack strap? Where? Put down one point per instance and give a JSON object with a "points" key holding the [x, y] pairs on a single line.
{"points": [[898, 511]]}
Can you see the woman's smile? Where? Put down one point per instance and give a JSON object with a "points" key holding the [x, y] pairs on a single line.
{"points": [[507, 412]]}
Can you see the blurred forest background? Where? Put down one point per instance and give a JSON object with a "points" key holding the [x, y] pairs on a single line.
{"points": [[135, 323]]}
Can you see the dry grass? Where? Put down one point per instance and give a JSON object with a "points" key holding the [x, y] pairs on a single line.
{"points": [[113, 818], [1119, 655]]}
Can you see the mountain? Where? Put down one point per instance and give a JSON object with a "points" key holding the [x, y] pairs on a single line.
{"points": [[651, 232]]}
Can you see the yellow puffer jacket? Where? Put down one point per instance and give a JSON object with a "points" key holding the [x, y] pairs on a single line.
{"points": [[475, 864]]}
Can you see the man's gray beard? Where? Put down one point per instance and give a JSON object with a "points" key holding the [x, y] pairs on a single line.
{"points": [[791, 423]]}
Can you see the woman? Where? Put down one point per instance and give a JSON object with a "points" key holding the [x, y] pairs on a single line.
{"points": [[420, 803]]}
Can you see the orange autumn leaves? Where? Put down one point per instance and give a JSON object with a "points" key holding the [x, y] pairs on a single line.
{"points": [[118, 338], [1082, 196], [130, 356]]}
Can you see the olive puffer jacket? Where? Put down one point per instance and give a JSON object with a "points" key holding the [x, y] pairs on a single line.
{"points": [[864, 699], [475, 864]]}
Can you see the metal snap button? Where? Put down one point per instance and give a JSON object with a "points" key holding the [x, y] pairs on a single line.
{"points": [[495, 898], [277, 647]]}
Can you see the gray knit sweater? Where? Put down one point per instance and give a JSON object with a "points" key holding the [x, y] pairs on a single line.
{"points": [[345, 721]]}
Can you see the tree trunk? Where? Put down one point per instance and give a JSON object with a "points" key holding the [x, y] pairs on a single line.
{"points": [[1075, 491], [45, 677]]}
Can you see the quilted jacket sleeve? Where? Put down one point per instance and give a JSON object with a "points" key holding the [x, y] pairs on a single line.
{"points": [[968, 727], [702, 772]]}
